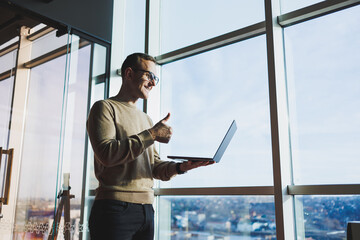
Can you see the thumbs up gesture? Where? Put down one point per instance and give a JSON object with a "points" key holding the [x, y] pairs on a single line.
{"points": [[161, 132]]}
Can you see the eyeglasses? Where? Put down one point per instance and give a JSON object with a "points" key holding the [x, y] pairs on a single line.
{"points": [[150, 75]]}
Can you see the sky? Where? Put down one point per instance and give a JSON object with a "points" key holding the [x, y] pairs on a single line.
{"points": [[182, 25]]}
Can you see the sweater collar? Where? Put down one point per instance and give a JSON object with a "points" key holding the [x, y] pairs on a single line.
{"points": [[123, 102]]}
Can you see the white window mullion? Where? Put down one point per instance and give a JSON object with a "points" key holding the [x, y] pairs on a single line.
{"points": [[152, 105], [21, 86], [284, 203]]}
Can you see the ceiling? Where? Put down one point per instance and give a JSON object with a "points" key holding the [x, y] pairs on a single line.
{"points": [[11, 19]]}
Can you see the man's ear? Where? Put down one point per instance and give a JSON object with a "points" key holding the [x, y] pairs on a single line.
{"points": [[128, 73]]}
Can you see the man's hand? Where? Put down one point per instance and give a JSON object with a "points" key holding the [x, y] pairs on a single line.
{"points": [[188, 165], [161, 132]]}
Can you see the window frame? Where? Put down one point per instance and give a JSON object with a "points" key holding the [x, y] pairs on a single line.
{"points": [[284, 189]]}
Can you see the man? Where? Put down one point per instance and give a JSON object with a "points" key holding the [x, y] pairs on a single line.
{"points": [[126, 161]]}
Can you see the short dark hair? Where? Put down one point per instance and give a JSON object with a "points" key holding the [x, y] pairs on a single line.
{"points": [[133, 61]]}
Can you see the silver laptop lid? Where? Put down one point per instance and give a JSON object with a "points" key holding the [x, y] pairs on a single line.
{"points": [[225, 142]]}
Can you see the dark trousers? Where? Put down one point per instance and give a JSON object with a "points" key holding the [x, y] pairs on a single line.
{"points": [[117, 220]]}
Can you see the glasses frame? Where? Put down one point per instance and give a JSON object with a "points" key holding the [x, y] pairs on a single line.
{"points": [[152, 76]]}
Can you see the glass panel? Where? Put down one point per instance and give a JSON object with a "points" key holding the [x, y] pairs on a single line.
{"points": [[75, 129], [292, 5], [54, 144], [98, 67], [204, 94], [39, 164], [97, 93], [115, 85], [42, 45], [325, 217], [134, 33], [10, 42], [38, 27], [6, 90], [98, 80], [322, 58], [134, 39], [220, 217], [8, 61], [187, 22]]}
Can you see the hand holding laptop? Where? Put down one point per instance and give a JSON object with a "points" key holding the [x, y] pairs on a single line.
{"points": [[188, 165]]}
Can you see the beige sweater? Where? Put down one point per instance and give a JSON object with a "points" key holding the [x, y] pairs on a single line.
{"points": [[126, 161]]}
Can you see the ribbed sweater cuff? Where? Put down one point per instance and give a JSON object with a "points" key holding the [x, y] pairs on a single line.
{"points": [[146, 138]]}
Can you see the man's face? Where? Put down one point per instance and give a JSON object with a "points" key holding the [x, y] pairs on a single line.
{"points": [[141, 82]]}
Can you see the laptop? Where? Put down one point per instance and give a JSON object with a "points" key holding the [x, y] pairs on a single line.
{"points": [[220, 151]]}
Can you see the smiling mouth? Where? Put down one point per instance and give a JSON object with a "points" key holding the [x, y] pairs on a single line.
{"points": [[148, 88]]}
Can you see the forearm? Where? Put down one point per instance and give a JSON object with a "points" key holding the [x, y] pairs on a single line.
{"points": [[112, 152], [164, 170]]}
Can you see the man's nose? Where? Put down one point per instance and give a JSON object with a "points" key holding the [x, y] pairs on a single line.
{"points": [[152, 81]]}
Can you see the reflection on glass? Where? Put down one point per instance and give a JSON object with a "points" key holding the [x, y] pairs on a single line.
{"points": [[10, 42], [47, 43], [288, 6], [220, 217], [76, 115], [6, 89], [186, 22], [325, 217], [8, 61], [322, 58], [39, 164], [204, 94]]}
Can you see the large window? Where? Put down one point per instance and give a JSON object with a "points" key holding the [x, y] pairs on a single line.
{"points": [[323, 58], [204, 93], [292, 85]]}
